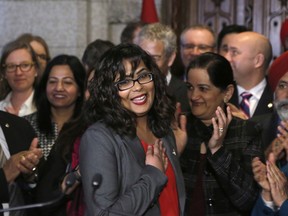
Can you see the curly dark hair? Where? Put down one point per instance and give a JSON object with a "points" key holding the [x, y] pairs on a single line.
{"points": [[105, 103], [42, 103]]}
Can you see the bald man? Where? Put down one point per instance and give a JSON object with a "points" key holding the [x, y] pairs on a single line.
{"points": [[249, 54]]}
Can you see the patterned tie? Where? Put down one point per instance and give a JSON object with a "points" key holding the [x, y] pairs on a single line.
{"points": [[244, 105], [3, 158]]}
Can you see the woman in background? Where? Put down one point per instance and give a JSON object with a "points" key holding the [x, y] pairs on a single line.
{"points": [[19, 68]]}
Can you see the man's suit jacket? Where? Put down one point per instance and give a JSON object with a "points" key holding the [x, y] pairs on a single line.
{"points": [[19, 135], [178, 89], [265, 104], [128, 185]]}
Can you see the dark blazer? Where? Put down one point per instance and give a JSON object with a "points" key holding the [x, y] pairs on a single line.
{"points": [[265, 104], [128, 185], [268, 125], [18, 134], [178, 89]]}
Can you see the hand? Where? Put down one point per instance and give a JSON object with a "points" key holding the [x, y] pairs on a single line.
{"points": [[22, 162], [155, 156], [260, 174], [283, 136], [278, 184], [71, 188], [237, 112], [179, 129], [219, 129]]}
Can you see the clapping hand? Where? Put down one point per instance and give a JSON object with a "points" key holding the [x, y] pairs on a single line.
{"points": [[220, 126], [179, 129]]}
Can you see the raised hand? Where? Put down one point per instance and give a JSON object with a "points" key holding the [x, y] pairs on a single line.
{"points": [[260, 176], [22, 162], [283, 137], [155, 156], [220, 127], [278, 184], [179, 129]]}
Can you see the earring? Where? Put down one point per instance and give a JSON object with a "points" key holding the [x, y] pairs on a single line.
{"points": [[225, 100]]}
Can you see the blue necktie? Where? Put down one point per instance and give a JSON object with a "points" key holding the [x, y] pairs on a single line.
{"points": [[244, 105]]}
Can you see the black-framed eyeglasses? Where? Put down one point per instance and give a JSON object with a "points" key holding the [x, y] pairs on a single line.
{"points": [[129, 83], [24, 67]]}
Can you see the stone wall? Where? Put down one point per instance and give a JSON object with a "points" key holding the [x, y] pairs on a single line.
{"points": [[68, 25]]}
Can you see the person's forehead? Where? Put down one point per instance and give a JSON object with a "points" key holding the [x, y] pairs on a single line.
{"points": [[202, 35], [151, 46]]}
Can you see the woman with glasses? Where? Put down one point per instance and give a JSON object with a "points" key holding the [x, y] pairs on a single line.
{"points": [[128, 157], [40, 47], [18, 69]]}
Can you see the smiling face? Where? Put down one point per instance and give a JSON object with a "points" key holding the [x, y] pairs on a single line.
{"points": [[19, 80], [204, 97], [138, 99], [62, 90]]}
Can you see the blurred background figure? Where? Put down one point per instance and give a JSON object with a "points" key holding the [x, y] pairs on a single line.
{"points": [[130, 32], [284, 35], [91, 56], [40, 47], [59, 98], [194, 41], [250, 54], [159, 41], [225, 35], [19, 68], [93, 52]]}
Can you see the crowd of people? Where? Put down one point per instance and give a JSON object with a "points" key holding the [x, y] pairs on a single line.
{"points": [[119, 132]]}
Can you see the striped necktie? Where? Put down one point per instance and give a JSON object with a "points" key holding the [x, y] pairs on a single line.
{"points": [[244, 105], [3, 158]]}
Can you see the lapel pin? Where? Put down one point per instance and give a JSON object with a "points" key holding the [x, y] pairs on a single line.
{"points": [[174, 152], [7, 125], [270, 105]]}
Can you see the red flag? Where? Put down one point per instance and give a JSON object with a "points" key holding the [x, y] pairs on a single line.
{"points": [[149, 13]]}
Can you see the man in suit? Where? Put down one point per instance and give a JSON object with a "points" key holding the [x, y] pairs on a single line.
{"points": [[195, 40], [19, 154], [249, 54], [160, 42]]}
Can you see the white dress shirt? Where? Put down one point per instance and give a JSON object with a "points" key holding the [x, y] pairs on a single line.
{"points": [[256, 92], [27, 107]]}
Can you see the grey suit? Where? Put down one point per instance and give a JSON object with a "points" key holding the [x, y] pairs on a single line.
{"points": [[129, 187]]}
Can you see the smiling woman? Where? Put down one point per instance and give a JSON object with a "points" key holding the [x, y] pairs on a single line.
{"points": [[216, 162], [130, 115], [19, 69], [59, 98]]}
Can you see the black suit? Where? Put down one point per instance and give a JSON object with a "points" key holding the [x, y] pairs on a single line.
{"points": [[268, 124], [264, 105], [19, 135], [178, 89]]}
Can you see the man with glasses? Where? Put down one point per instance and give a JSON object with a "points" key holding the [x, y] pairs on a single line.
{"points": [[195, 40], [160, 42]]}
